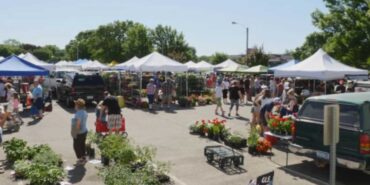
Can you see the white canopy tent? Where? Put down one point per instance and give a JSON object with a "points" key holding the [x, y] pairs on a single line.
{"points": [[127, 64], [34, 60], [203, 66], [320, 66], [190, 65], [234, 69], [93, 65], [158, 62], [226, 63], [1, 58], [67, 66]]}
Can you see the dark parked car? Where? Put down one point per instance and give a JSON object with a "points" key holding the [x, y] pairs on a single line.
{"points": [[88, 86], [353, 149]]}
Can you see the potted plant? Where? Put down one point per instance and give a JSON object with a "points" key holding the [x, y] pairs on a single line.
{"points": [[201, 100], [183, 101], [236, 141], [225, 133], [195, 128], [253, 141]]}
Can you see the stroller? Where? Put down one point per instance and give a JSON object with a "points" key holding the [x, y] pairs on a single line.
{"points": [[101, 128]]}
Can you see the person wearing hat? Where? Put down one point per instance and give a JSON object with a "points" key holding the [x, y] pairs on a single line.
{"points": [[266, 110], [79, 130], [150, 91]]}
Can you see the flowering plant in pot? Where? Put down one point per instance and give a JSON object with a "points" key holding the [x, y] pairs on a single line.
{"points": [[253, 141], [201, 100], [281, 125], [263, 145]]}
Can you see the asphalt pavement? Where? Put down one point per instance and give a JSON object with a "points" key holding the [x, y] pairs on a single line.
{"points": [[168, 132]]}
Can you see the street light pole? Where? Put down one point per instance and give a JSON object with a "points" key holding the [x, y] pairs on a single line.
{"points": [[247, 35]]}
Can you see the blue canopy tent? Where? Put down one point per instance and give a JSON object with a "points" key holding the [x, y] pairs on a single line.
{"points": [[285, 65], [15, 66]]}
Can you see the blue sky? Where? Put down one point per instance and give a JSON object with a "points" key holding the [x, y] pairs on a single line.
{"points": [[278, 25]]}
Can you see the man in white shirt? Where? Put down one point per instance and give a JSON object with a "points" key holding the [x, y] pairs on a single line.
{"points": [[225, 89]]}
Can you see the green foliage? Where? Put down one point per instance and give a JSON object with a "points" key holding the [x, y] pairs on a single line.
{"points": [[21, 168], [31, 152], [344, 32], [257, 56], [218, 58], [123, 175], [253, 138], [15, 149], [138, 42], [48, 158], [113, 146], [41, 174], [171, 43]]}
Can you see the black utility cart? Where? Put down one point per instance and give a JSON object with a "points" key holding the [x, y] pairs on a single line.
{"points": [[223, 156]]}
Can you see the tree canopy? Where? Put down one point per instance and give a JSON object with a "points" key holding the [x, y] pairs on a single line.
{"points": [[256, 56], [344, 32]]}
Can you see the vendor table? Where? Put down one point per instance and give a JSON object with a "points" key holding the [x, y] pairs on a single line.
{"points": [[285, 139], [223, 156]]}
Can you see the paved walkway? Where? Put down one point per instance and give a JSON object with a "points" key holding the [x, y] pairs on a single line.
{"points": [[168, 132]]}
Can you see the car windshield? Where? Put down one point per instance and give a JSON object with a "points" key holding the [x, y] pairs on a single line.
{"points": [[349, 114], [87, 80]]}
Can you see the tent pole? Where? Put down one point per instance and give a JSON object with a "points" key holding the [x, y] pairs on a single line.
{"points": [[119, 83], [187, 84], [325, 87]]}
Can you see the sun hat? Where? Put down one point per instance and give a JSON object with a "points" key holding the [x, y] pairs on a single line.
{"points": [[264, 87], [151, 80], [80, 102]]}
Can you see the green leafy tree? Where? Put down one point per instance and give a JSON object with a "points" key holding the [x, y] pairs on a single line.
{"points": [[218, 58], [344, 32], [256, 56], [138, 42], [172, 44], [42, 54], [81, 46]]}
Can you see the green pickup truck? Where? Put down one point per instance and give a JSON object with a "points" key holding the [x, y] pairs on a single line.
{"points": [[353, 149]]}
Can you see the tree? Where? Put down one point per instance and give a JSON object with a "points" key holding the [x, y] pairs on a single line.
{"points": [[218, 58], [138, 42], [256, 57], [82, 46], [344, 32], [42, 54], [172, 44]]}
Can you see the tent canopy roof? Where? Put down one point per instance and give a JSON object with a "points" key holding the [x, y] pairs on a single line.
{"points": [[158, 62], [257, 69], [238, 68], [320, 66], [203, 66], [127, 64], [15, 66], [227, 63], [34, 60], [284, 65]]}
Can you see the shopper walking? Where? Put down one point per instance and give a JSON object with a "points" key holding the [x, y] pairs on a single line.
{"points": [[225, 89], [167, 89], [150, 91], [234, 97], [218, 95], [79, 131], [38, 101]]}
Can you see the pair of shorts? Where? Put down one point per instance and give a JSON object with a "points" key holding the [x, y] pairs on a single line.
{"points": [[114, 121], [224, 93], [218, 101], [234, 102]]}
